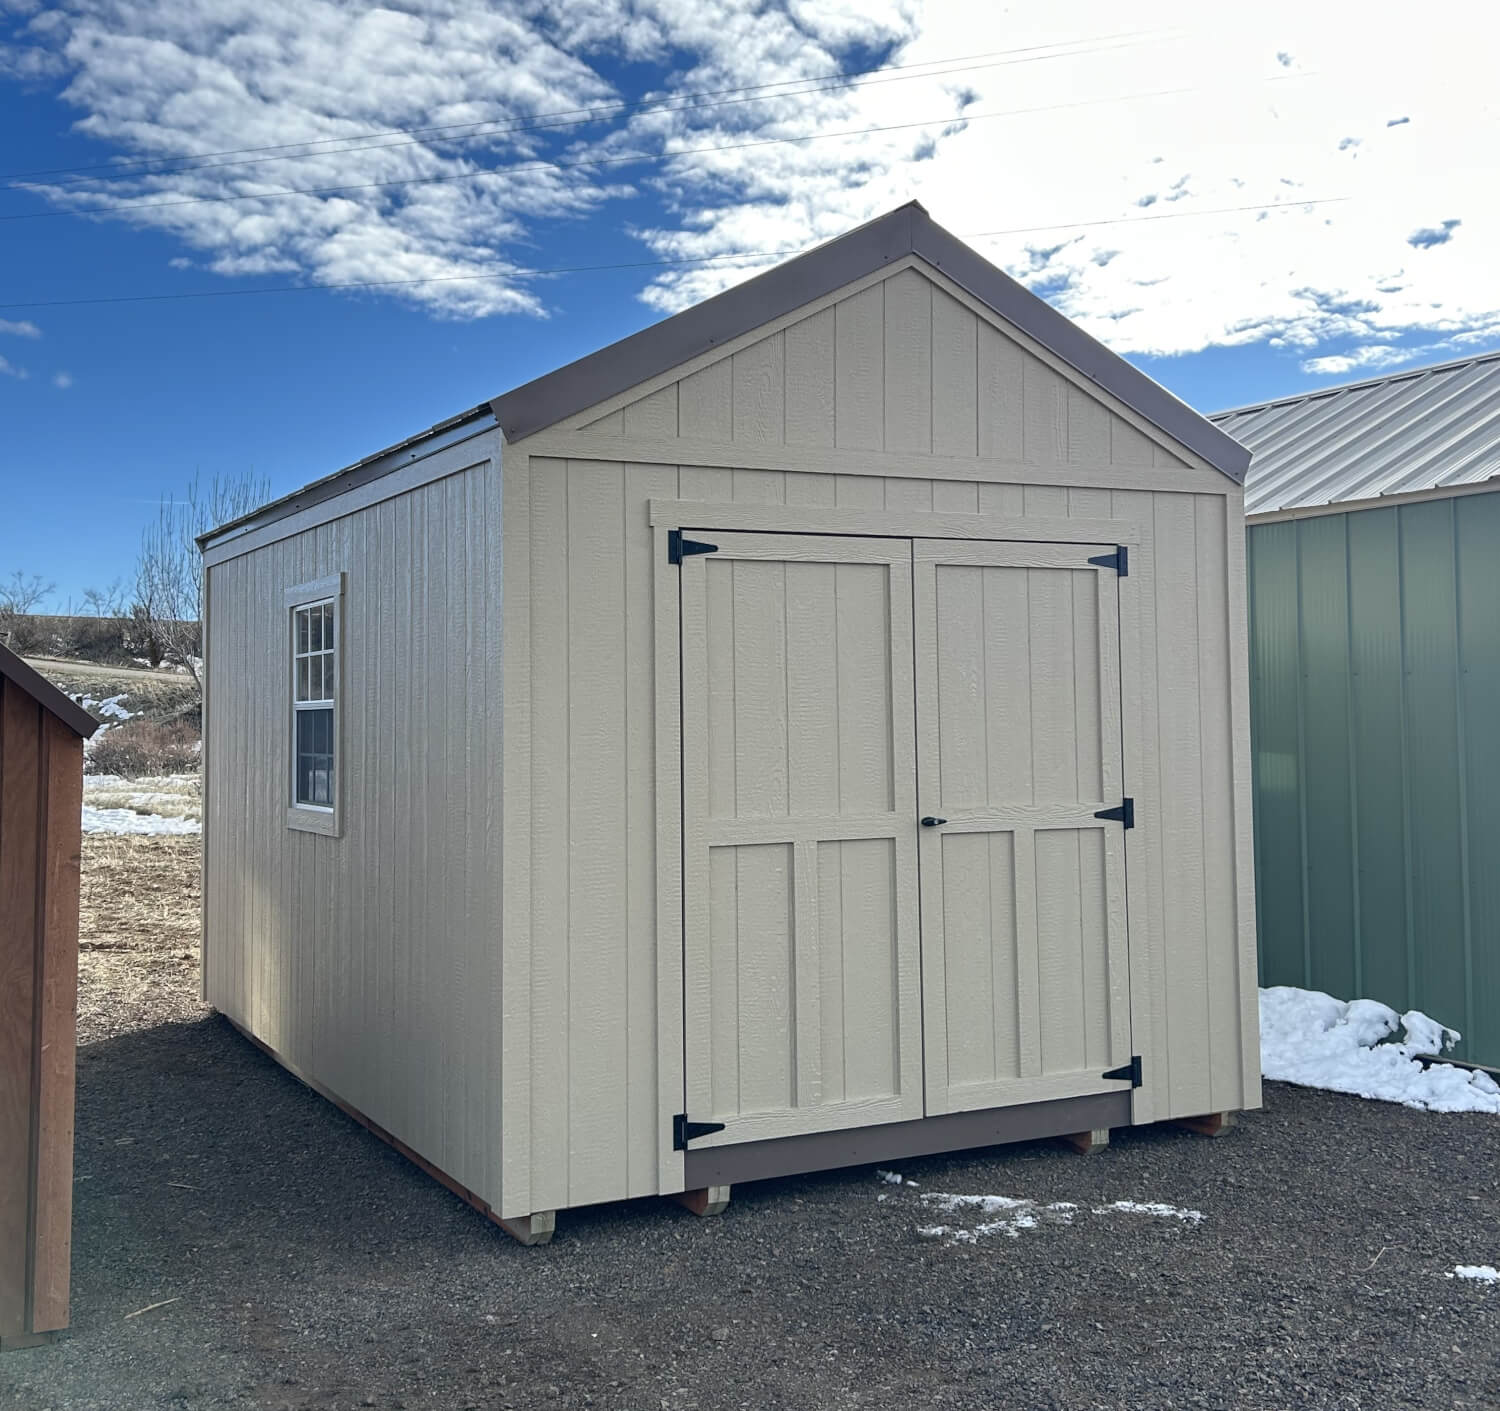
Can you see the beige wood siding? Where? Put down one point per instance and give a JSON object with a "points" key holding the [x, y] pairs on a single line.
{"points": [[370, 962], [902, 365], [586, 1114]]}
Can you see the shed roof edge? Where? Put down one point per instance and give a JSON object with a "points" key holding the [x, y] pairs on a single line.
{"points": [[22, 674]]}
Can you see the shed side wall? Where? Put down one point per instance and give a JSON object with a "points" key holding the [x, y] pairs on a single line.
{"points": [[1375, 666], [582, 885], [371, 961]]}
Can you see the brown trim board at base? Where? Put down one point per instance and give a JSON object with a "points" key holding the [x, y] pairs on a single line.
{"points": [[894, 1141]]}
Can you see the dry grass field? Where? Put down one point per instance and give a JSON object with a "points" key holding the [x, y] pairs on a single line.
{"points": [[138, 933]]}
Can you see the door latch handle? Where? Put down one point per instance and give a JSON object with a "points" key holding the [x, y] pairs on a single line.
{"points": [[931, 822]]}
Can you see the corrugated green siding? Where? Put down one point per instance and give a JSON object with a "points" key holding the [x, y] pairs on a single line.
{"points": [[1375, 679]]}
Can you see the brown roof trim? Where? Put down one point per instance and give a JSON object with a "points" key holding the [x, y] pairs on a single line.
{"points": [[45, 694], [908, 230]]}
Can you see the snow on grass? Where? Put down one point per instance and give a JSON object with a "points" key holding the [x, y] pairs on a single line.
{"points": [[1310, 1038], [169, 805], [1150, 1207], [1479, 1273]]}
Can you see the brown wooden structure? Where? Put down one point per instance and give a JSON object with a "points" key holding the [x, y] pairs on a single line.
{"points": [[41, 795]]}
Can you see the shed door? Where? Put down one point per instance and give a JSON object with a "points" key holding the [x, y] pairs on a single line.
{"points": [[1025, 979], [802, 976]]}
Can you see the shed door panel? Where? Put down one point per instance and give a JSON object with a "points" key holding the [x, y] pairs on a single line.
{"points": [[1026, 986], [801, 942]]}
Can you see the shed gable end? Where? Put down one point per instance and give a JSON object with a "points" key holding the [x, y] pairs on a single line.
{"points": [[900, 365]]}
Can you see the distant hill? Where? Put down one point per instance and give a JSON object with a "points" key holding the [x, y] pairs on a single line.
{"points": [[106, 641]]}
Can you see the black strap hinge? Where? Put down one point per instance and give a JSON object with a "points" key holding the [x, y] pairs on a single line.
{"points": [[684, 1131], [1131, 1070], [1124, 814], [679, 548], [1119, 561]]}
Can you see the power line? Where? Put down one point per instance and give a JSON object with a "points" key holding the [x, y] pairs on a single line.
{"points": [[626, 160], [742, 256], [574, 116]]}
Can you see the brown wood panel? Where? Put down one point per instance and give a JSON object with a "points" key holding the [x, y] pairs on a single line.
{"points": [[20, 721], [58, 994]]}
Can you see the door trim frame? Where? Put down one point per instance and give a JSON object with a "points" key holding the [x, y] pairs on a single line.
{"points": [[677, 1171]]}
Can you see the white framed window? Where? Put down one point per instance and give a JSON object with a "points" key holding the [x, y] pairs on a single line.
{"points": [[315, 622]]}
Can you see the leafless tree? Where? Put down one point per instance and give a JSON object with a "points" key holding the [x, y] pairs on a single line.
{"points": [[169, 571], [106, 602], [22, 593]]}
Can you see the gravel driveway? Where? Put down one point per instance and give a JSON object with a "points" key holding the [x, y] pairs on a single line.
{"points": [[300, 1263]]}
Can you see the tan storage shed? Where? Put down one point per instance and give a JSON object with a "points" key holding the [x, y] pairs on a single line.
{"points": [[810, 731], [41, 805]]}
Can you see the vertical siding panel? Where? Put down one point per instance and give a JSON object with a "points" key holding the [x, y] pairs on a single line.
{"points": [[759, 392], [1002, 499], [714, 483], [1322, 579], [1216, 746], [1127, 446], [654, 415], [904, 493], [1144, 778], [1276, 733], [642, 483], [1477, 531], [1000, 402], [1376, 690], [759, 487], [1180, 745], [860, 491], [1088, 428], [908, 363], [1049, 501], [596, 783], [955, 377], [551, 1002], [1044, 425], [859, 370], [809, 381], [956, 496], [705, 404], [1428, 625], [808, 488], [610, 424]]}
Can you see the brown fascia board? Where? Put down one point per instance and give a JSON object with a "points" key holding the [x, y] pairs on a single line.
{"points": [[908, 230], [25, 677]]}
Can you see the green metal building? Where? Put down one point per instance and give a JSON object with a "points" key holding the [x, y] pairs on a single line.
{"points": [[1374, 581]]}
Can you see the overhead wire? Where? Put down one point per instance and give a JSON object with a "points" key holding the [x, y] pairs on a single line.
{"points": [[626, 159], [684, 102], [742, 257]]}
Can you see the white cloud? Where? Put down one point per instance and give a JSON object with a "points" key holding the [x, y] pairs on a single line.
{"points": [[23, 328], [62, 380], [1374, 141], [9, 369]]}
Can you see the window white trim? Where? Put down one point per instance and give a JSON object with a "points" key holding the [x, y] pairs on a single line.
{"points": [[326, 819]]}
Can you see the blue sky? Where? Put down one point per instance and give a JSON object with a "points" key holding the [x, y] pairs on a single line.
{"points": [[1244, 210]]}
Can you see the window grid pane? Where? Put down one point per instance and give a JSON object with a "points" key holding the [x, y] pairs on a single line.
{"points": [[313, 684]]}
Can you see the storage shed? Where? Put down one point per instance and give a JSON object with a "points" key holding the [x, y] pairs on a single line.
{"points": [[41, 804], [1374, 516], [812, 730]]}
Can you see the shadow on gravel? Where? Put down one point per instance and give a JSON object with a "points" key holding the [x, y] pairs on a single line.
{"points": [[298, 1262]]}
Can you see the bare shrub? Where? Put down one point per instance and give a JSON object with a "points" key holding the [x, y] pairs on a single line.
{"points": [[143, 748]]}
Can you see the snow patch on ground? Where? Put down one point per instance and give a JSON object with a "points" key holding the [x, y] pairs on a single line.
{"points": [[168, 806], [1150, 1207], [1310, 1038], [126, 820], [1012, 1216], [1479, 1273]]}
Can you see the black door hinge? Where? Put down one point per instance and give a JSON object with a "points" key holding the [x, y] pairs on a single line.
{"points": [[1124, 814], [684, 1131], [1131, 1070], [679, 548], [1119, 561]]}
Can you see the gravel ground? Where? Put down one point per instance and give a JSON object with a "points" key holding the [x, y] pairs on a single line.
{"points": [[297, 1262]]}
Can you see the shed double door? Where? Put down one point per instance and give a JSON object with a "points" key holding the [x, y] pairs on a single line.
{"points": [[845, 964]]}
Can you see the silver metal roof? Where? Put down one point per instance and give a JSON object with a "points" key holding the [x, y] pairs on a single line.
{"points": [[1426, 429]]}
